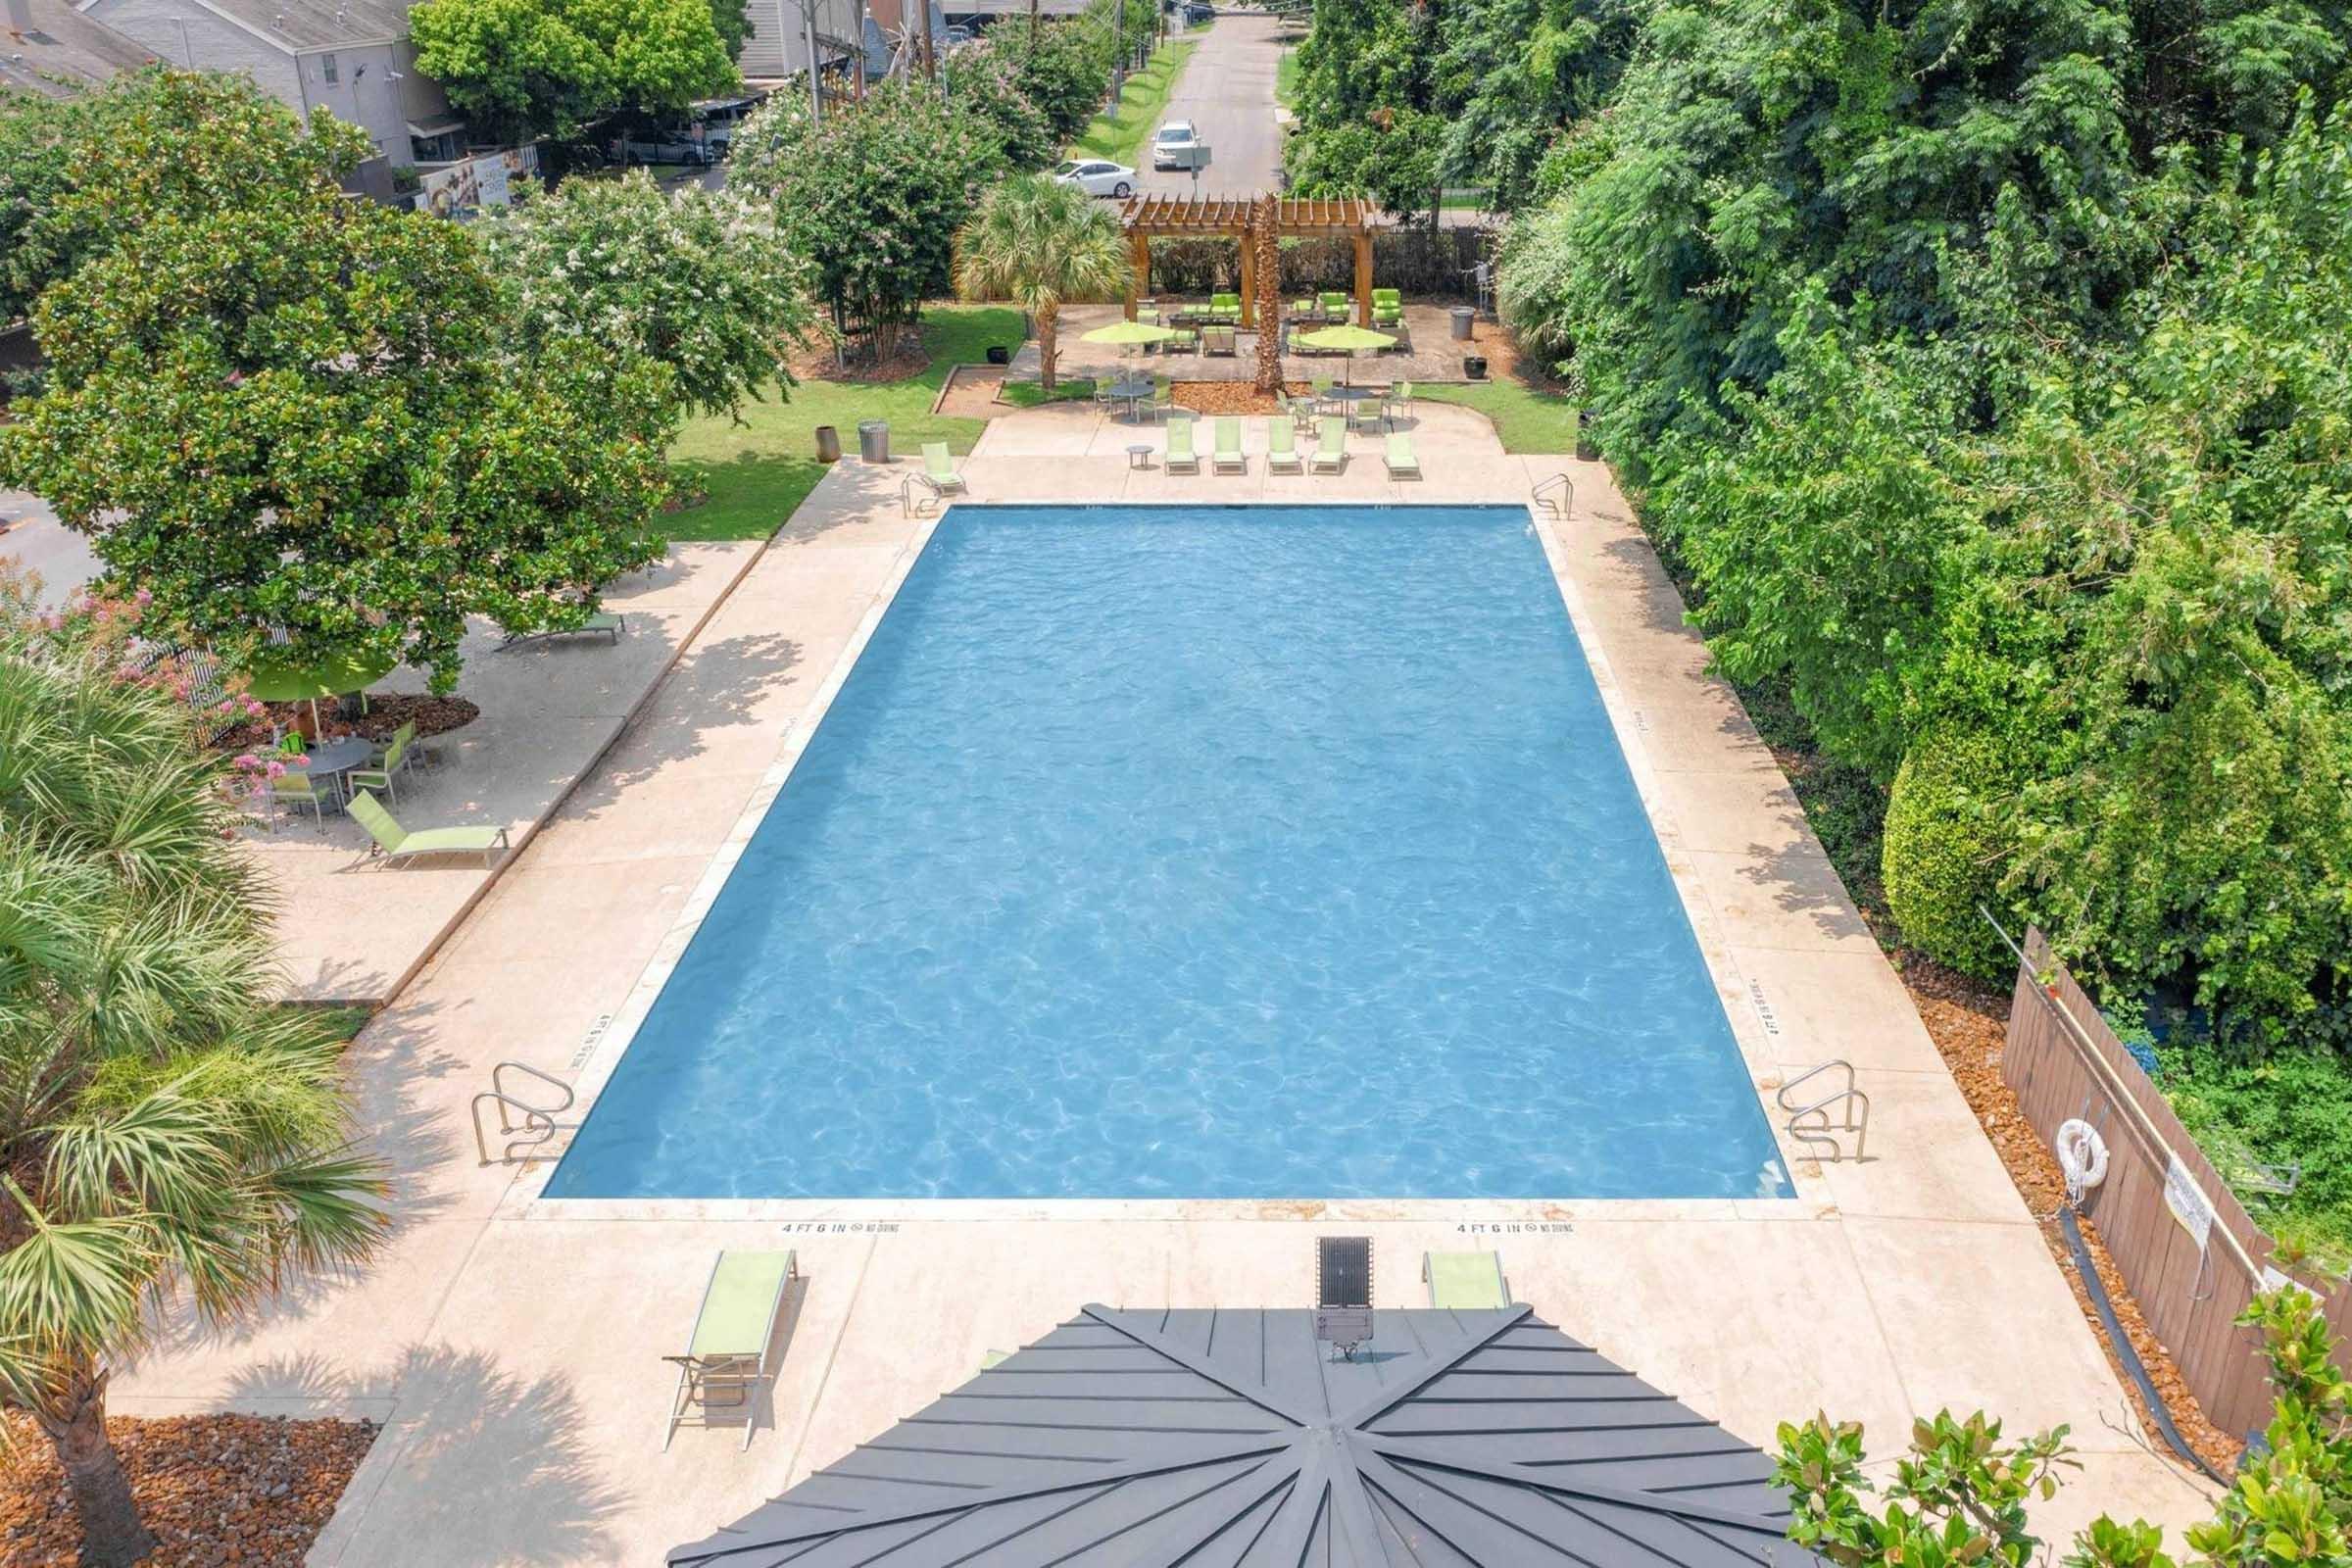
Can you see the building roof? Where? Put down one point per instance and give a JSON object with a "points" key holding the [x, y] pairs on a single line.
{"points": [[1146, 1438], [63, 52], [299, 24]]}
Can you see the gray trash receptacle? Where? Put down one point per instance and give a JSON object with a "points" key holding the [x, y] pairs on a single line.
{"points": [[828, 444], [874, 440], [1463, 316]]}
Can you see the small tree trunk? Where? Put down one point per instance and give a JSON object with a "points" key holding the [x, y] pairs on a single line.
{"points": [[1047, 314], [112, 1536]]}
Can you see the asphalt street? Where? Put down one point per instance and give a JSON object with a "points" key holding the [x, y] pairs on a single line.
{"points": [[1227, 92]]}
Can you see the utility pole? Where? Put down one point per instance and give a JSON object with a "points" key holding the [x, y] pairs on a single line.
{"points": [[816, 92], [858, 57], [1118, 51], [930, 49]]}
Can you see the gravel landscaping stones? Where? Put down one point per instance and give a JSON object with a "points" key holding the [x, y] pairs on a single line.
{"points": [[254, 1491]]}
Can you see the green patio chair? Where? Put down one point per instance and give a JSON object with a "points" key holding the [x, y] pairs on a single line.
{"points": [[1403, 465], [1388, 307], [390, 759], [1322, 385], [1181, 340], [296, 787], [1164, 397], [1227, 457], [940, 471], [1335, 305], [603, 623], [1465, 1282], [1282, 447], [1181, 457], [395, 843], [1149, 314], [1217, 340], [727, 1357], [1305, 309], [1225, 306], [1398, 404], [1331, 444]]}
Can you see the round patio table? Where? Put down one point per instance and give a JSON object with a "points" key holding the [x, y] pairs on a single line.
{"points": [[329, 762], [1131, 392]]}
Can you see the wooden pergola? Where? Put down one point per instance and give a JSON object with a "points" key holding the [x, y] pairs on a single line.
{"points": [[1150, 217]]}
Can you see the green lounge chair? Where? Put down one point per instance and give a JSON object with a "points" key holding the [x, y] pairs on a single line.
{"points": [[942, 473], [1225, 306], [395, 843], [1227, 457], [296, 787], [1217, 340], [603, 623], [1388, 307], [1335, 305], [1282, 447], [1181, 340], [1331, 444], [726, 1356], [390, 759], [1305, 309], [1403, 465], [1181, 457], [1465, 1282]]}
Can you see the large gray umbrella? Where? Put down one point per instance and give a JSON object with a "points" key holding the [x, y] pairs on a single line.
{"points": [[1157, 1436]]}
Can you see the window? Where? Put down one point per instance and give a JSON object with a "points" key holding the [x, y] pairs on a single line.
{"points": [[326, 62]]}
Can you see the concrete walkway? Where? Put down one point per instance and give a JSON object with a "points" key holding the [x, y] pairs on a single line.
{"points": [[512, 1346], [352, 930]]}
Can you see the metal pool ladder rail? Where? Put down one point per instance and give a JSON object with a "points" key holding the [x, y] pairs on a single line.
{"points": [[1809, 1123], [1555, 494], [539, 1122]]}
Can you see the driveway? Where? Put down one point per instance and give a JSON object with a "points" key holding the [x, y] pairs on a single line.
{"points": [[1227, 91], [31, 536]]}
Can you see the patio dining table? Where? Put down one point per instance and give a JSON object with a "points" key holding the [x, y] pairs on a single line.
{"points": [[1131, 392], [329, 762]]}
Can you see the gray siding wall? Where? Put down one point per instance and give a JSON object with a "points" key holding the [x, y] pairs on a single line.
{"points": [[362, 93]]}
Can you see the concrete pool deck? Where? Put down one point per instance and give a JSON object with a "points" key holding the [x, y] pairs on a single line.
{"points": [[511, 1348]]}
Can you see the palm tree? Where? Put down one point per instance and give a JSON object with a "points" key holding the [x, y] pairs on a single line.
{"points": [[164, 1133], [1039, 243]]}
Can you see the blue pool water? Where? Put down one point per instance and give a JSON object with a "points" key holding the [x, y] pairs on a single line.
{"points": [[1198, 853]]}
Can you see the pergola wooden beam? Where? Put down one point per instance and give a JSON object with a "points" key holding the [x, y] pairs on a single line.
{"points": [[1150, 217]]}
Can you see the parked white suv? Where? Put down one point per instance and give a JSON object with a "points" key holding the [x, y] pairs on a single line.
{"points": [[1176, 145]]}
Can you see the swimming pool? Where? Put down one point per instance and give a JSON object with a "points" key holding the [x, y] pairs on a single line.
{"points": [[1190, 851]]}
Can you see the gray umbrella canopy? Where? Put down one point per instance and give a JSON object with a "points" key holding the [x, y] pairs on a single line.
{"points": [[1233, 1439]]}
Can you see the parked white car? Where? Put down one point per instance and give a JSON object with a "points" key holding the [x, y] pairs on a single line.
{"points": [[1097, 176], [1176, 145]]}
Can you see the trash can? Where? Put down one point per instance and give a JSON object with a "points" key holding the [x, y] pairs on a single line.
{"points": [[828, 444], [1463, 316], [874, 440], [1473, 367]]}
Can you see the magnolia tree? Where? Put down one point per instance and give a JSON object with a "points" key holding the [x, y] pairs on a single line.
{"points": [[281, 411], [872, 197], [520, 68], [701, 282], [1960, 1495]]}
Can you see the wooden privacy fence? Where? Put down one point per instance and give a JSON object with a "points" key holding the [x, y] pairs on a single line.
{"points": [[2185, 1245]]}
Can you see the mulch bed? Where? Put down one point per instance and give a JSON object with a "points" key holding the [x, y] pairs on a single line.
{"points": [[1230, 397], [253, 1490], [433, 716], [1969, 1022], [815, 360]]}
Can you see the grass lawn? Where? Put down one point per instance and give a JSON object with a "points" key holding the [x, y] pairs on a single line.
{"points": [[759, 471], [1286, 79], [1119, 135], [1528, 418]]}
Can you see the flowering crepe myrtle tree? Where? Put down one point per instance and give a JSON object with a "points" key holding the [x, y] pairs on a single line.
{"points": [[294, 413], [700, 281], [873, 196]]}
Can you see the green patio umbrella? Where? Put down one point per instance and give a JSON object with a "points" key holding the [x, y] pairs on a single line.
{"points": [[1127, 334], [283, 680], [1346, 340]]}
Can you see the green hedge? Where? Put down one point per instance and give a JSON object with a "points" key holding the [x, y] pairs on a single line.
{"points": [[1946, 844]]}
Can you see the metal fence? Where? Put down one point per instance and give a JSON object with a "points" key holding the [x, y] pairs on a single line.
{"points": [[2191, 1254]]}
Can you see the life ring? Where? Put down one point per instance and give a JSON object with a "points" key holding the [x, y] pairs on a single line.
{"points": [[2081, 1157]]}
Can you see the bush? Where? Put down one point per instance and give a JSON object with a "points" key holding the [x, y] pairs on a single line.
{"points": [[1946, 844]]}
